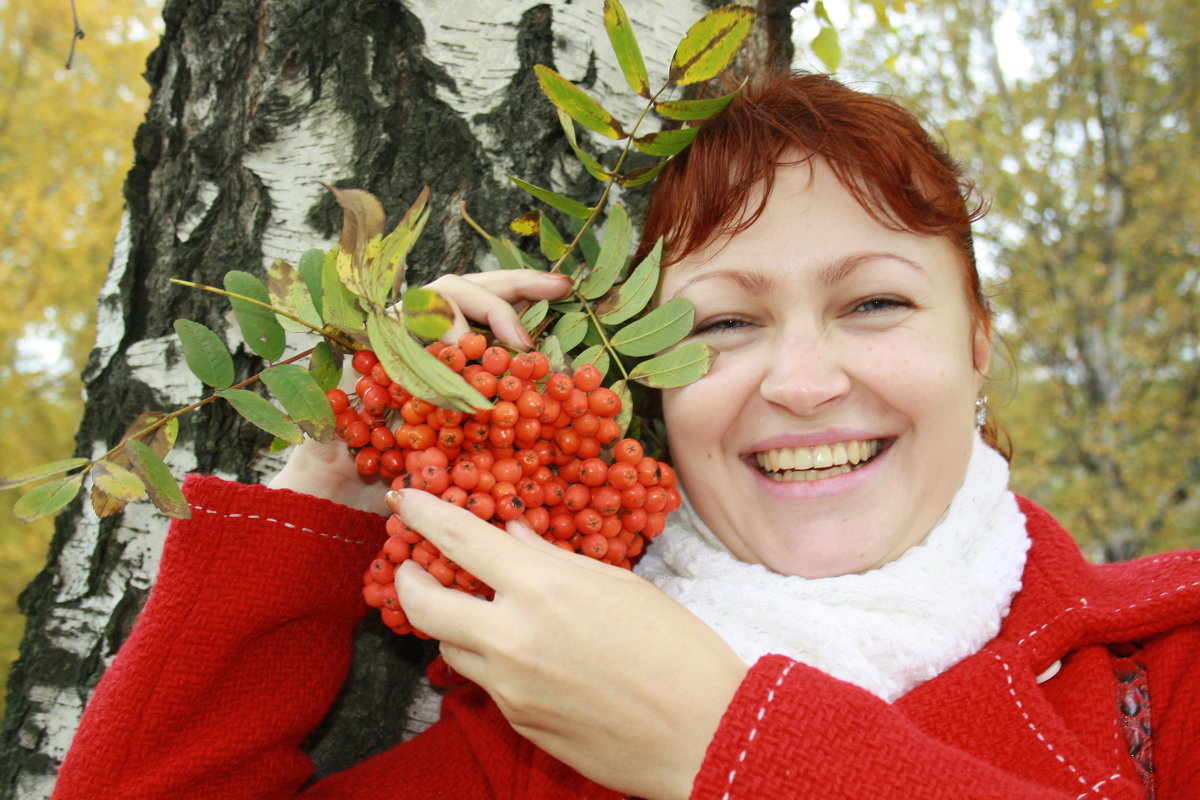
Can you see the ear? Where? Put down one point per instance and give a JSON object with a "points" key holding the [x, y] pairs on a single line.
{"points": [[981, 350]]}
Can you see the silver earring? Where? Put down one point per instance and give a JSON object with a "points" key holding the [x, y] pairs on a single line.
{"points": [[981, 411]]}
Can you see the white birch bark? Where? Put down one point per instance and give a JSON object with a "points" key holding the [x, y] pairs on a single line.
{"points": [[86, 601]]}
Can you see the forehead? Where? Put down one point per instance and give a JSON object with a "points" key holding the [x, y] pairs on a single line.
{"points": [[811, 224]]}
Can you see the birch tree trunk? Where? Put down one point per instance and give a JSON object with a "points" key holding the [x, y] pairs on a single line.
{"points": [[255, 104]]}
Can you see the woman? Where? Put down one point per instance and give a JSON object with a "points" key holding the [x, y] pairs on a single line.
{"points": [[852, 604]]}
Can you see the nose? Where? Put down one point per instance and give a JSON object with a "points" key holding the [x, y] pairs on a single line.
{"points": [[806, 376]]}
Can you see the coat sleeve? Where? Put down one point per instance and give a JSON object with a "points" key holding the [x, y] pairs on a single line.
{"points": [[242, 647], [793, 732]]}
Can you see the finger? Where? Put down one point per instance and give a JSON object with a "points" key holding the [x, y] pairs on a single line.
{"points": [[468, 663], [447, 615], [488, 298], [484, 550]]}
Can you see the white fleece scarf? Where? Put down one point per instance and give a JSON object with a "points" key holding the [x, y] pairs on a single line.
{"points": [[886, 630]]}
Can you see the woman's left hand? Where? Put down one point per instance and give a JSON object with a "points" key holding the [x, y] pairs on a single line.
{"points": [[588, 661]]}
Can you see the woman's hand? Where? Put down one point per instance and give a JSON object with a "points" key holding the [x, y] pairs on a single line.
{"points": [[588, 661], [326, 469]]}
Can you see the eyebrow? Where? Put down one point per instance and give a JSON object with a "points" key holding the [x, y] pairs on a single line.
{"points": [[841, 269], [756, 283]]}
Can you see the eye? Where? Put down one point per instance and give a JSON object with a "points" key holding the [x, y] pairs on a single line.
{"points": [[876, 305], [719, 325]]}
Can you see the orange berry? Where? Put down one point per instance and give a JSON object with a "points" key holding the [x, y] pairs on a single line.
{"points": [[587, 377], [594, 545], [559, 386], [363, 361], [629, 451], [495, 360], [472, 345], [604, 402]]}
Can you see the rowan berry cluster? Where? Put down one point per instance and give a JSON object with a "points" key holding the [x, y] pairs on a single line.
{"points": [[549, 451]]}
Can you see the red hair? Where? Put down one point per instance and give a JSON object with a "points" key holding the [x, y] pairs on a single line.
{"points": [[877, 149]]}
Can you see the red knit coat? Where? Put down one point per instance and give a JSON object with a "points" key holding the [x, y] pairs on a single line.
{"points": [[246, 638]]}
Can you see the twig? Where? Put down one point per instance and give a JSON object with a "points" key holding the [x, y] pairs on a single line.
{"points": [[76, 35]]}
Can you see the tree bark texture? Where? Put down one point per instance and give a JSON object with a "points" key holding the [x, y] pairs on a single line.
{"points": [[254, 104]]}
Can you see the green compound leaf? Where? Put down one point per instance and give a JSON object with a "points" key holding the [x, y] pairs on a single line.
{"points": [[625, 415], [666, 143], [311, 267], [386, 275], [635, 293], [552, 349], [160, 483], [339, 303], [594, 167], [117, 482], [625, 46], [302, 398], [259, 412], [679, 367], [614, 252], [324, 367], [47, 499], [658, 330], [640, 175], [426, 313], [711, 44], [692, 110], [260, 329], [577, 104], [589, 245], [289, 292], [534, 315], [570, 330], [422, 374], [507, 253], [563, 203], [205, 354], [41, 472], [553, 245]]}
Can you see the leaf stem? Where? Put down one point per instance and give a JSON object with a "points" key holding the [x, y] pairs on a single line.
{"points": [[323, 330], [189, 408], [587, 223], [612, 351]]}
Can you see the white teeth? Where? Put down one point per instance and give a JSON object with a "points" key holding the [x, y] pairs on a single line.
{"points": [[811, 463]]}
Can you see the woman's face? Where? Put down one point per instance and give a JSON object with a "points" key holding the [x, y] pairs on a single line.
{"points": [[836, 423]]}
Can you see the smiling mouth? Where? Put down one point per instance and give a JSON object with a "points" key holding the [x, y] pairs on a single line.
{"points": [[815, 463]]}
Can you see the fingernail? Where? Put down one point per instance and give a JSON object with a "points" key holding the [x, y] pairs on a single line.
{"points": [[394, 499]]}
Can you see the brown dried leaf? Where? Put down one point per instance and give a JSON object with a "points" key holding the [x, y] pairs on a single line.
{"points": [[362, 218]]}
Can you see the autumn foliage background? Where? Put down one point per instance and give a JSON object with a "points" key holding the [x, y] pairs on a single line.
{"points": [[65, 145]]}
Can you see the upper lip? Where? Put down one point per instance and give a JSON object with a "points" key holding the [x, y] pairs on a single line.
{"points": [[814, 439]]}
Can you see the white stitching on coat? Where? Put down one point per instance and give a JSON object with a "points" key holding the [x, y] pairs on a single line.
{"points": [[1008, 676], [285, 524], [1185, 557], [754, 731]]}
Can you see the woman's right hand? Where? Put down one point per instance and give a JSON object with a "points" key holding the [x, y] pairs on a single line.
{"points": [[326, 469]]}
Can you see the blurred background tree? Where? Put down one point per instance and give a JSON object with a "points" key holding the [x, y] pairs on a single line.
{"points": [[66, 141], [1081, 121]]}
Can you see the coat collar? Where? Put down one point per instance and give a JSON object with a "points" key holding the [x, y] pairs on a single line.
{"points": [[1066, 603]]}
